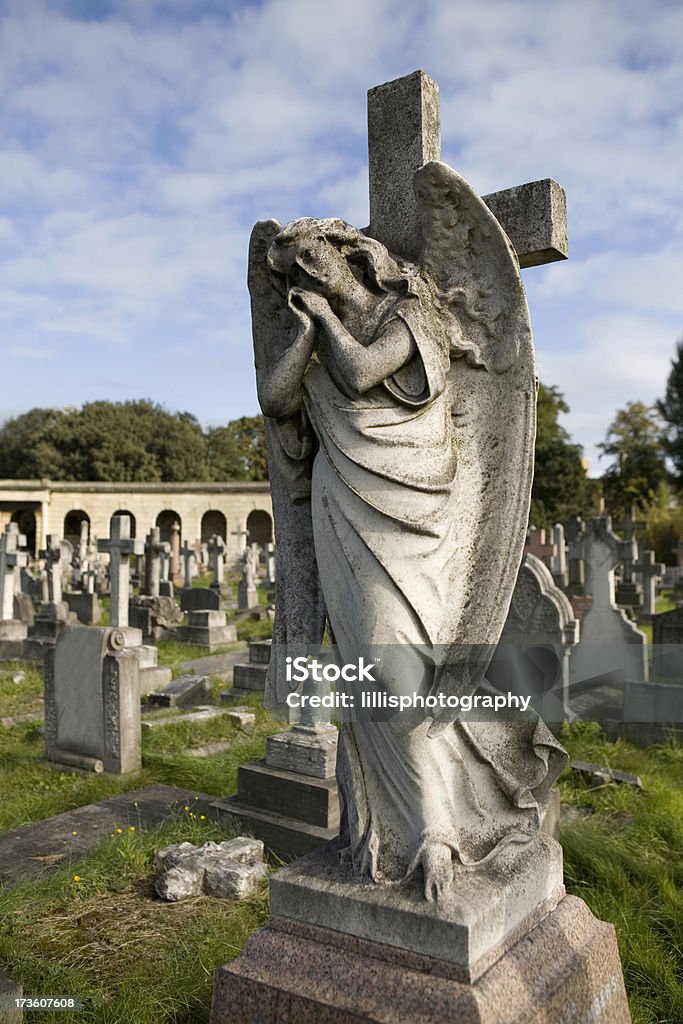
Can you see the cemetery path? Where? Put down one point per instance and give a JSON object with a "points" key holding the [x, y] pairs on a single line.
{"points": [[34, 848]]}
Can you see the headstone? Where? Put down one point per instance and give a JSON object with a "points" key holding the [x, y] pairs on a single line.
{"points": [[53, 567], [216, 551], [53, 613], [650, 573], [240, 535], [558, 565], [270, 565], [92, 701], [208, 629], [532, 657], [154, 548], [250, 677], [189, 557], [175, 550], [120, 546], [229, 870], [628, 593], [194, 599], [576, 570], [610, 648], [13, 630], [412, 556], [183, 692], [247, 594], [541, 546]]}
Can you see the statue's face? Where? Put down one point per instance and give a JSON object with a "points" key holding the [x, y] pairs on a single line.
{"points": [[318, 266]]}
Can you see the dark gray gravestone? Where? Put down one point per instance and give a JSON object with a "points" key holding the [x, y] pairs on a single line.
{"points": [[195, 599], [183, 692]]}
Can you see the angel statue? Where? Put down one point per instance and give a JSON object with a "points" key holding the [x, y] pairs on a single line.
{"points": [[400, 407]]}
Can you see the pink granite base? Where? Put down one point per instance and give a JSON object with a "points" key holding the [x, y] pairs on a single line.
{"points": [[566, 970]]}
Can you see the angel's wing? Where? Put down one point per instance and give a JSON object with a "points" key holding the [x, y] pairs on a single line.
{"points": [[470, 258], [290, 443]]}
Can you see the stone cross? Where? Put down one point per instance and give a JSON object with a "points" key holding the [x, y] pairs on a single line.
{"points": [[11, 558], [241, 533], [627, 527], [575, 535], [53, 568], [538, 545], [404, 132], [558, 562], [650, 571], [165, 564], [189, 557], [154, 547], [120, 546], [270, 564], [216, 550]]}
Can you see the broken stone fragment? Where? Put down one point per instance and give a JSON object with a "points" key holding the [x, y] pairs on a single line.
{"points": [[227, 870]]}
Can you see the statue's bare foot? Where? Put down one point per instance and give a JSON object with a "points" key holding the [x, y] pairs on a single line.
{"points": [[437, 867]]}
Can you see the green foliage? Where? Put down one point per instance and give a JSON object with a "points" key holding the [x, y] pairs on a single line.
{"points": [[664, 517], [670, 408], [634, 442], [129, 442], [238, 451], [561, 488]]}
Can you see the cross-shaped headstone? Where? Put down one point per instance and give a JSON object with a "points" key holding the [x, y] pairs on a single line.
{"points": [[650, 571], [189, 557], [10, 559], [175, 548], [404, 132], [53, 567], [154, 547], [537, 544], [216, 550], [241, 533], [83, 543], [574, 531], [558, 562], [120, 546], [627, 527]]}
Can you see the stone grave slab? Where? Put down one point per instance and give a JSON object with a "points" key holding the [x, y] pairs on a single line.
{"points": [[182, 692]]}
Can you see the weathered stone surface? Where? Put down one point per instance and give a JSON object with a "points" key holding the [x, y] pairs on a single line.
{"points": [[599, 775], [196, 599], [183, 691], [565, 970], [207, 628], [228, 870], [92, 701], [309, 750], [485, 905], [10, 991]]}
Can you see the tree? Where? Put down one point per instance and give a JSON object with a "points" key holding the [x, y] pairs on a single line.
{"points": [[670, 408], [110, 441], [238, 450], [634, 442], [561, 487]]}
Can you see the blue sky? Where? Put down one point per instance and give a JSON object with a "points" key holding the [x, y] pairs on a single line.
{"points": [[140, 140]]}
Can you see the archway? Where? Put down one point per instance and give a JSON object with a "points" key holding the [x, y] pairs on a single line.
{"points": [[213, 522], [26, 521], [170, 530], [259, 528], [72, 527], [124, 512]]}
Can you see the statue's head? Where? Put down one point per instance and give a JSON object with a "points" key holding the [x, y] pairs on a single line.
{"points": [[324, 255]]}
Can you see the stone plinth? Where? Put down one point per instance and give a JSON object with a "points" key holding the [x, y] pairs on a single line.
{"points": [[85, 606], [250, 677], [292, 813], [564, 968], [468, 928], [311, 750], [13, 633], [207, 629]]}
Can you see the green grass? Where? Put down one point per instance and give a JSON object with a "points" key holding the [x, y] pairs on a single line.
{"points": [[106, 937], [95, 929], [624, 857]]}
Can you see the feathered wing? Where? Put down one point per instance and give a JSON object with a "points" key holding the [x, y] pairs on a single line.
{"points": [[290, 443], [470, 258]]}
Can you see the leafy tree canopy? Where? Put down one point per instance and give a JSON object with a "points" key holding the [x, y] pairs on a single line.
{"points": [[638, 469], [670, 408], [561, 488]]}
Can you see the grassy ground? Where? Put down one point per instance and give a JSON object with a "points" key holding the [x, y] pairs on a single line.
{"points": [[94, 927], [624, 856]]}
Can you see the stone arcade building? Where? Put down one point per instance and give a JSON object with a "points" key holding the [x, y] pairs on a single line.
{"points": [[239, 512]]}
